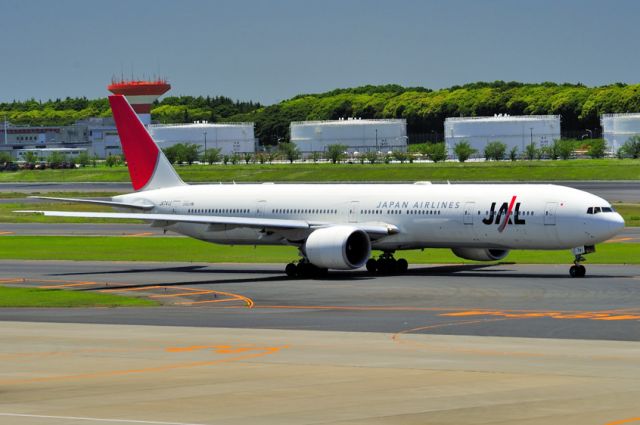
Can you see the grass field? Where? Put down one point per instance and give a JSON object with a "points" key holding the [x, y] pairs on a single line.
{"points": [[33, 297], [630, 213], [583, 169], [190, 250]]}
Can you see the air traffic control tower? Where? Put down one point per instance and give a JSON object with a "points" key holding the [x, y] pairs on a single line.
{"points": [[140, 94]]}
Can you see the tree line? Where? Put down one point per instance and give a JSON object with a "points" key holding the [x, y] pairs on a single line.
{"points": [[425, 110]]}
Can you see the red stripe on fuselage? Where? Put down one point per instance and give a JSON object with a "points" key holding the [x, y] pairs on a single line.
{"points": [[508, 214]]}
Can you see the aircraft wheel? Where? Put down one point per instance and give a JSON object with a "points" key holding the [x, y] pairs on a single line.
{"points": [[581, 270], [402, 265], [291, 270], [573, 271], [303, 269], [372, 265]]}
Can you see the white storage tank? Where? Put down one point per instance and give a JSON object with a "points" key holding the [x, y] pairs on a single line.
{"points": [[382, 135], [230, 138], [518, 131], [618, 128]]}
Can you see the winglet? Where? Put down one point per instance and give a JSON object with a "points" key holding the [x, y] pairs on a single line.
{"points": [[148, 167]]}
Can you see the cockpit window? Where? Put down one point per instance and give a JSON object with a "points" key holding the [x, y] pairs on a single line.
{"points": [[596, 210]]}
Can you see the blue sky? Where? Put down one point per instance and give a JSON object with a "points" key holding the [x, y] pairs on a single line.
{"points": [[271, 50]]}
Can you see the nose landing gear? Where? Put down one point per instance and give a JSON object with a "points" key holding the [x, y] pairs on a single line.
{"points": [[578, 270], [387, 264]]}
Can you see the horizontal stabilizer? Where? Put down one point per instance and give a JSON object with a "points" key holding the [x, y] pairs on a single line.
{"points": [[97, 202]]}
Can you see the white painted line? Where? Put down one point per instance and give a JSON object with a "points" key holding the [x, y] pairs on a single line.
{"points": [[76, 418]]}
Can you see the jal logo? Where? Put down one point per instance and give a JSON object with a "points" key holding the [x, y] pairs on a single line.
{"points": [[503, 216]]}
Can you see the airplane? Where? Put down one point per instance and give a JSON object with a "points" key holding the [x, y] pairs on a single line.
{"points": [[336, 226]]}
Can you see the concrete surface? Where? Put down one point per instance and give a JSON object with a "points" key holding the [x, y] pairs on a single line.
{"points": [[57, 374]]}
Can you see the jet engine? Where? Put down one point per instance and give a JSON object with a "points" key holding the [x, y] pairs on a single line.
{"points": [[480, 254], [338, 247]]}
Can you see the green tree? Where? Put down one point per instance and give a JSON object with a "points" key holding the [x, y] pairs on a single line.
{"points": [[530, 151], [30, 157], [632, 147], [5, 158], [513, 153], [437, 152], [371, 156], [248, 157], [316, 156], [495, 151], [463, 150], [189, 153], [335, 153], [290, 151], [83, 159], [56, 159], [212, 156], [171, 152], [262, 157], [113, 160], [564, 148], [400, 156], [597, 148]]}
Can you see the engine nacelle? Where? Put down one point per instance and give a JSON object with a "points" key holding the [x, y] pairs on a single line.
{"points": [[480, 254], [338, 247]]}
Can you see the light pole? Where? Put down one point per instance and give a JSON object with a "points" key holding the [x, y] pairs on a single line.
{"points": [[376, 140], [205, 145], [531, 128]]}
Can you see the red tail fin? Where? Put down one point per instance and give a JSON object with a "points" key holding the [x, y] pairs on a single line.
{"points": [[148, 167]]}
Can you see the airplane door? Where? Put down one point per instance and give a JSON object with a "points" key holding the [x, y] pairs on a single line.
{"points": [[261, 209], [550, 214], [469, 209], [353, 211]]}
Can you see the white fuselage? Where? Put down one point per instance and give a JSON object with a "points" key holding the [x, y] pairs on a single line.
{"points": [[426, 215]]}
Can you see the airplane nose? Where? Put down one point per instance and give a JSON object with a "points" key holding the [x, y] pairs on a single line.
{"points": [[616, 223]]}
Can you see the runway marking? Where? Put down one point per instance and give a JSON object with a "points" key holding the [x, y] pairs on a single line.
{"points": [[136, 235], [619, 240], [181, 294], [81, 418], [143, 288], [397, 337], [6, 233], [589, 315], [4, 281], [624, 421], [251, 353], [69, 285], [232, 297]]}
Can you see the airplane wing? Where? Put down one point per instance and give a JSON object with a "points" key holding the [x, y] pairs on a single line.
{"points": [[137, 206], [374, 230]]}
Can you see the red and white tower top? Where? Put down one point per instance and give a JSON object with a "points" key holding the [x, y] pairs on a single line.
{"points": [[140, 94]]}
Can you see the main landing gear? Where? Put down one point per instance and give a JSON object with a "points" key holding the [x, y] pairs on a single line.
{"points": [[303, 268], [578, 270], [387, 264]]}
